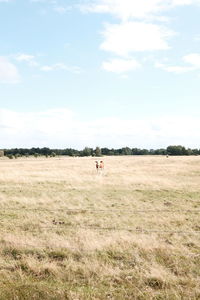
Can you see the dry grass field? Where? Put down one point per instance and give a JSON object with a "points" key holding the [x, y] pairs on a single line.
{"points": [[132, 232]]}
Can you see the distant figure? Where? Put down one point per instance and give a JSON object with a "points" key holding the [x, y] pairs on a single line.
{"points": [[99, 166]]}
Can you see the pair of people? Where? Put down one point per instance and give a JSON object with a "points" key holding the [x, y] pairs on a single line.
{"points": [[99, 165]]}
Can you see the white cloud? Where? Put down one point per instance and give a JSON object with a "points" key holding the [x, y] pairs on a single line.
{"points": [[134, 9], [184, 2], [62, 9], [139, 27], [47, 68], [192, 60], [62, 128], [127, 9], [24, 57], [8, 71], [174, 69], [136, 30], [61, 66], [120, 65], [124, 38], [32, 128], [54, 5], [30, 59]]}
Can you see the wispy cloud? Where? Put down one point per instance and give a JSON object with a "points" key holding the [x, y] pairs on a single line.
{"points": [[32, 61], [192, 64], [62, 9], [134, 9], [54, 5], [29, 59], [126, 9], [8, 72], [120, 65], [61, 66]]}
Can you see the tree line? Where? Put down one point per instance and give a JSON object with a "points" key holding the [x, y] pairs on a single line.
{"points": [[170, 150]]}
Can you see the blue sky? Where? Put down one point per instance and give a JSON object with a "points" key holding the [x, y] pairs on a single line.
{"points": [[111, 73]]}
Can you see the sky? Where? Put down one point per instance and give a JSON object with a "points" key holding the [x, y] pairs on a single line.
{"points": [[107, 73]]}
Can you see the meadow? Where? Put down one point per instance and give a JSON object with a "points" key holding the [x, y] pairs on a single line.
{"points": [[130, 232]]}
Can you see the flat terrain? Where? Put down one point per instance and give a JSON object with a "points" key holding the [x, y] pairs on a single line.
{"points": [[131, 232]]}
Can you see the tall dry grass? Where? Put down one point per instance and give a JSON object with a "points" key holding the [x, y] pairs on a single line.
{"points": [[131, 232]]}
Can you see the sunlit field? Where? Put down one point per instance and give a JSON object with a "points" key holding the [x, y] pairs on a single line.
{"points": [[130, 232]]}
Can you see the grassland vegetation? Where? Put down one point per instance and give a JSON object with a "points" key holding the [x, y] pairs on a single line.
{"points": [[130, 232]]}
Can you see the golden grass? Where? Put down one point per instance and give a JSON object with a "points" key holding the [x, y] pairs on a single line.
{"points": [[50, 252]]}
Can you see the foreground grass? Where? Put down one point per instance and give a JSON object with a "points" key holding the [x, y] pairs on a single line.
{"points": [[135, 235]]}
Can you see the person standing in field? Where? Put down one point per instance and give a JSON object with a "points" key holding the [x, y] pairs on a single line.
{"points": [[101, 165], [97, 165]]}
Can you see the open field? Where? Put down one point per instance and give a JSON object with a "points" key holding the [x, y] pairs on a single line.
{"points": [[132, 232]]}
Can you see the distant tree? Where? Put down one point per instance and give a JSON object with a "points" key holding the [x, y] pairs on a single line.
{"points": [[126, 151], [105, 151], [117, 151], [189, 151], [97, 151], [135, 151], [46, 151], [87, 151], [152, 151], [112, 152], [142, 152], [171, 150], [176, 150], [160, 151], [195, 151]]}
